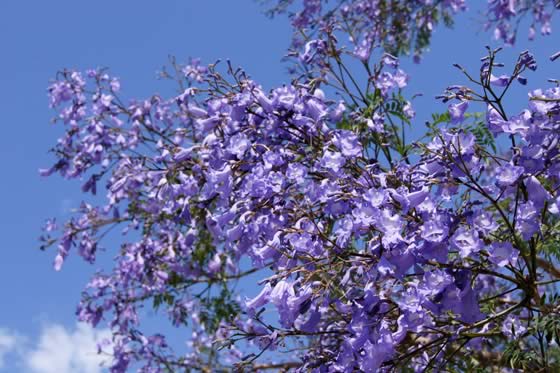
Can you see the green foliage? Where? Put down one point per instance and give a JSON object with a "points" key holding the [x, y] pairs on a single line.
{"points": [[344, 124], [539, 349], [218, 308], [439, 118], [517, 357], [551, 246], [479, 129], [164, 298], [395, 107]]}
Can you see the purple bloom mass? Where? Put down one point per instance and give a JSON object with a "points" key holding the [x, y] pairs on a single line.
{"points": [[366, 252]]}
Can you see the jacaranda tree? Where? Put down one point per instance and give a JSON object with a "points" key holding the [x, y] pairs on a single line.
{"points": [[370, 251]]}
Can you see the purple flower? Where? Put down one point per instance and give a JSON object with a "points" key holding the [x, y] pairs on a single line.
{"points": [[508, 174], [301, 241], [348, 144], [527, 220], [296, 172], [417, 197], [333, 161], [338, 112], [527, 60], [512, 327], [434, 231], [536, 192], [519, 124], [502, 254], [238, 145], [375, 197], [434, 282], [494, 120], [485, 222], [194, 71], [375, 355], [215, 265], [316, 109], [312, 48], [343, 231], [260, 300], [390, 60], [390, 224], [466, 241], [364, 215], [377, 123], [500, 81], [408, 200], [280, 293]]}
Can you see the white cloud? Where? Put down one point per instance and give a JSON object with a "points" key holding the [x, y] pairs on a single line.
{"points": [[8, 344], [62, 351], [57, 350]]}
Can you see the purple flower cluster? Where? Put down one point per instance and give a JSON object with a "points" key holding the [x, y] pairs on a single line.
{"points": [[371, 254], [503, 16], [399, 27], [395, 26]]}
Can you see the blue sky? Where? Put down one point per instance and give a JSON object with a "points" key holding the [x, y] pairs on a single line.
{"points": [[134, 38]]}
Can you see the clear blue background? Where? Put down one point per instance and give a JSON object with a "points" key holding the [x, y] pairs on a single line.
{"points": [[134, 38]]}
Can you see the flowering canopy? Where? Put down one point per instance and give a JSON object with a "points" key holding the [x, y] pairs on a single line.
{"points": [[403, 26], [374, 253]]}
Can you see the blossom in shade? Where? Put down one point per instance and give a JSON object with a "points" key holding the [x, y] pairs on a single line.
{"points": [[508, 174], [502, 254]]}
